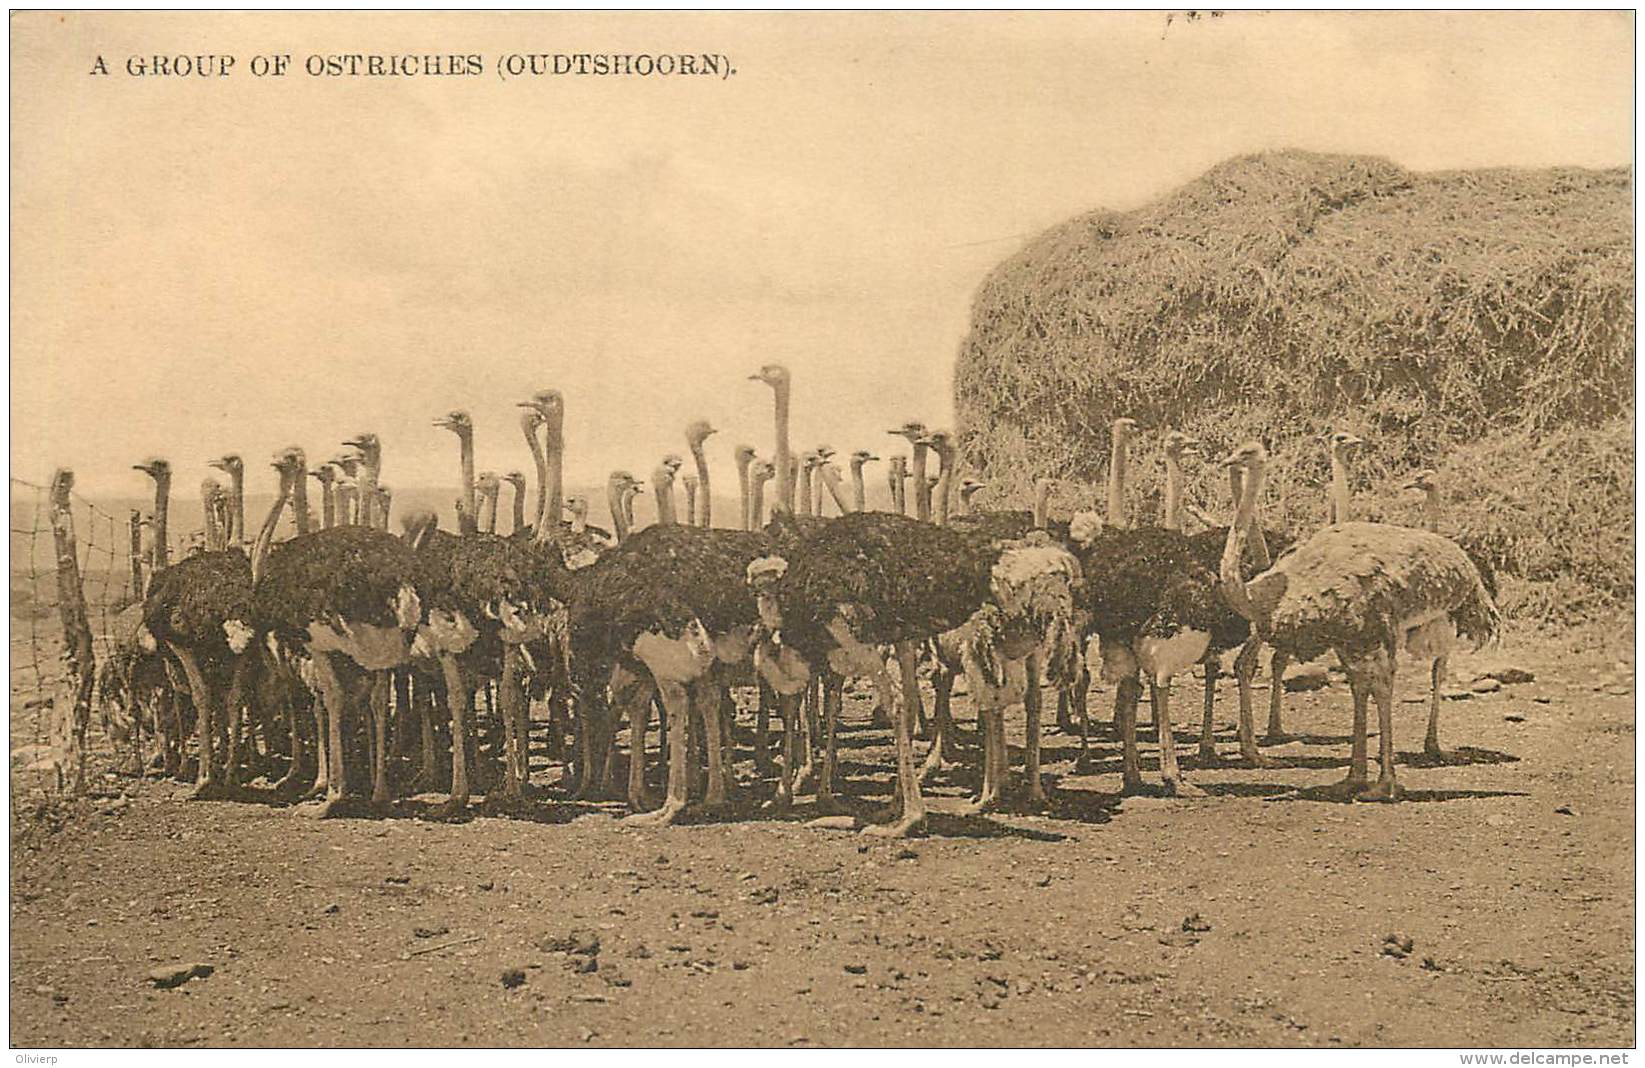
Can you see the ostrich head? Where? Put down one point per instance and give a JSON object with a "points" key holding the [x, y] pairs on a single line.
{"points": [[155, 468], [698, 432], [371, 450], [824, 453], [913, 430], [809, 460], [969, 488], [348, 463], [325, 474], [774, 375], [1423, 480], [457, 421], [1176, 443], [516, 479], [230, 464], [762, 471], [549, 404], [1342, 442], [942, 443], [1245, 455], [743, 455], [860, 457], [488, 483], [577, 507], [1123, 428], [621, 479], [673, 462]]}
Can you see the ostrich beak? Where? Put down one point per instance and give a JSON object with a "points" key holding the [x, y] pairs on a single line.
{"points": [[353, 444], [1231, 460]]}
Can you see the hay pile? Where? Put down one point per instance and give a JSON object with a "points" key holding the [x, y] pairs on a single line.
{"points": [[1463, 320]]}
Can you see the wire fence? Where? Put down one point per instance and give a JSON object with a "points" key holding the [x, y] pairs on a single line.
{"points": [[42, 682]]}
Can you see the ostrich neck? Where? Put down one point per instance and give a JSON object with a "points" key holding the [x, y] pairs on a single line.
{"points": [[899, 491], [1116, 483], [265, 535], [859, 492], [519, 508], [529, 429], [805, 491], [1042, 505], [368, 491], [1430, 510], [1239, 533], [922, 488], [628, 508], [940, 502], [664, 487], [488, 515], [785, 473], [817, 491], [836, 489], [162, 504], [756, 504], [579, 522], [1340, 498], [208, 501], [299, 499], [237, 500], [554, 459], [690, 504], [704, 494], [467, 522], [743, 490], [1173, 493], [328, 504], [614, 499]]}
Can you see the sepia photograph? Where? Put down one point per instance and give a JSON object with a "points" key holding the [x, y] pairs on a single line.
{"points": [[823, 529]]}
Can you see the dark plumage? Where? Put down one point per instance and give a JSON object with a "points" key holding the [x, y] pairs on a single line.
{"points": [[477, 571], [352, 573], [1006, 525], [1128, 573], [1229, 628], [189, 602]]}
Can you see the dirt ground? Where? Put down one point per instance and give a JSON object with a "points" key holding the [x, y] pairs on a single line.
{"points": [[1506, 883]]}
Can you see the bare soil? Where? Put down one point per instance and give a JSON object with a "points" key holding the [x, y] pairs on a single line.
{"points": [[1505, 884]]}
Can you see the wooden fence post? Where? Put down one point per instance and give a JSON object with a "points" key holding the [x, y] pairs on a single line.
{"points": [[136, 555], [78, 653]]}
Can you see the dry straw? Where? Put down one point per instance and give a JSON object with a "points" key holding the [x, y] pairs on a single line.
{"points": [[1478, 322]]}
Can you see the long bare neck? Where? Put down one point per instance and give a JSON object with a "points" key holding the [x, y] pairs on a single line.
{"points": [[704, 493], [488, 513], [1173, 492], [237, 502], [663, 484], [1239, 533], [619, 522], [817, 491], [805, 490], [579, 521], [830, 478], [519, 508], [299, 500], [528, 426], [859, 492], [922, 488], [756, 504], [743, 489], [691, 503], [1341, 498], [554, 457], [383, 503], [328, 505], [368, 492], [940, 502], [162, 505], [137, 554], [899, 490], [628, 508], [271, 522], [1116, 483], [468, 522], [210, 503], [1430, 510], [1042, 504], [784, 460]]}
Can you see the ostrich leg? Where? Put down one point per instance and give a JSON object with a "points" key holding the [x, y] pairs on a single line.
{"points": [[677, 702], [461, 701], [1159, 692], [637, 700], [236, 702], [404, 713], [381, 684], [1208, 729], [1359, 682], [1065, 720], [762, 730], [1276, 689], [1127, 695], [805, 777], [1387, 787], [1430, 744], [833, 698], [788, 708], [335, 700], [1080, 699], [911, 819], [938, 758], [207, 782], [1032, 707], [705, 697], [427, 776], [516, 737], [1245, 666]]}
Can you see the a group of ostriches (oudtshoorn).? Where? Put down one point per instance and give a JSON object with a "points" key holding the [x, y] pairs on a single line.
{"points": [[349, 665]]}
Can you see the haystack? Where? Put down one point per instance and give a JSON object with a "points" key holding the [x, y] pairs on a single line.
{"points": [[1285, 294]]}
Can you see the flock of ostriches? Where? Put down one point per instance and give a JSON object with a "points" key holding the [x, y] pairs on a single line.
{"points": [[346, 662]]}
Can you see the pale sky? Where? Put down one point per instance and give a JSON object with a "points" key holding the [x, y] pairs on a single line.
{"points": [[203, 265]]}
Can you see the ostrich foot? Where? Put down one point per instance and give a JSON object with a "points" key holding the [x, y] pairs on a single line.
{"points": [[1208, 757], [1036, 799], [779, 802], [332, 808], [805, 779], [879, 720], [905, 827], [450, 810], [714, 806], [665, 816], [1180, 788], [1278, 738], [643, 802], [1341, 790], [828, 805], [1433, 754], [763, 764], [979, 805], [212, 790], [1383, 790], [1133, 784], [935, 761]]}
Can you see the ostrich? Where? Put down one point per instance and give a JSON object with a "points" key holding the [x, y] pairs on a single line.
{"points": [[808, 467], [829, 595], [346, 601], [1342, 444], [459, 423], [743, 456], [487, 486], [385, 501], [235, 468], [199, 610], [695, 435], [896, 474], [144, 678], [859, 492], [662, 486], [631, 490], [517, 524], [777, 377], [326, 476], [530, 420], [617, 488], [969, 489], [942, 443], [914, 431], [371, 470], [549, 405], [828, 478], [348, 492], [759, 474], [1365, 591], [690, 483], [213, 512], [160, 471], [665, 608], [1424, 482]]}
